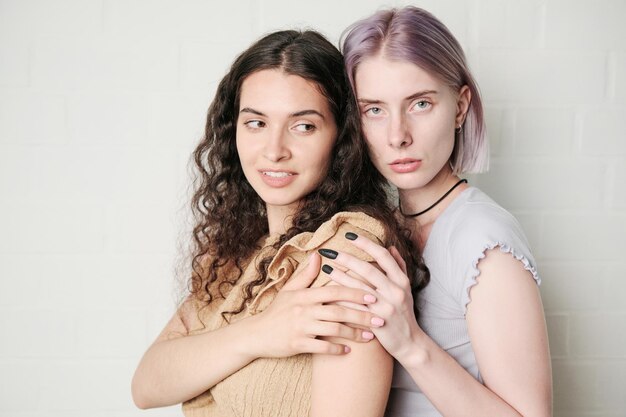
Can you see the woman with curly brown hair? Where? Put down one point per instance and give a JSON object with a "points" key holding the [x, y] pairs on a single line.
{"points": [[283, 172]]}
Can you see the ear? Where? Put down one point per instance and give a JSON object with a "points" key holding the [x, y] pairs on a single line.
{"points": [[462, 105]]}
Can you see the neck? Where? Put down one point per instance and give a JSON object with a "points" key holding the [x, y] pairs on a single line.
{"points": [[279, 218], [416, 200]]}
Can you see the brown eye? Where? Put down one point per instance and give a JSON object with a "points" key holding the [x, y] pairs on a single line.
{"points": [[304, 127], [255, 124]]}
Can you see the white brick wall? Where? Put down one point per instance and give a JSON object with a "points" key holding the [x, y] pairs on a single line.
{"points": [[618, 75], [509, 24], [537, 76], [101, 102], [554, 82]]}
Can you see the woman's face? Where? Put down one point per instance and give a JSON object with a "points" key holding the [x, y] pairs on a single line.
{"points": [[408, 118], [285, 134]]}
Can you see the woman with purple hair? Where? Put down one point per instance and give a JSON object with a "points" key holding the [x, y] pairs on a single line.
{"points": [[478, 346]]}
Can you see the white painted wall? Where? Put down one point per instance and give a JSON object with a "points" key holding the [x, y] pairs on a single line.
{"points": [[102, 101]]}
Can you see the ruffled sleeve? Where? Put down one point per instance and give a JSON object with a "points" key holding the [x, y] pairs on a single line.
{"points": [[331, 235], [477, 229]]}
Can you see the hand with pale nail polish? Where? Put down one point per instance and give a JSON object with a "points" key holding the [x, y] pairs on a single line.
{"points": [[304, 320], [388, 282]]}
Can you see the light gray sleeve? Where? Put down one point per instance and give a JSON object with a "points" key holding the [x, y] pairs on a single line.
{"points": [[477, 229]]}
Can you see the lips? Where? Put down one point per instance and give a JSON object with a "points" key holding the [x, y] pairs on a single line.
{"points": [[405, 165], [277, 178]]}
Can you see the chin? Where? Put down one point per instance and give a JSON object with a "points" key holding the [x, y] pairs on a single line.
{"points": [[407, 183], [279, 200]]}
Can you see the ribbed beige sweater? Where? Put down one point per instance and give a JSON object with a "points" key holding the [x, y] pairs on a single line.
{"points": [[276, 387]]}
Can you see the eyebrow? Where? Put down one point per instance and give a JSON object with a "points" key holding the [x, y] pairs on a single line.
{"points": [[409, 98], [307, 113], [249, 110], [295, 114], [419, 94]]}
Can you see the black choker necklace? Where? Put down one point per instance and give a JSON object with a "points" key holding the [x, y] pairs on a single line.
{"points": [[435, 203]]}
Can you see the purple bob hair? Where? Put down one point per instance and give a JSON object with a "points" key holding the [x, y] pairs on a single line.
{"points": [[413, 35]]}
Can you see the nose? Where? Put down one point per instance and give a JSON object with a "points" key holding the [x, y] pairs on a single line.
{"points": [[399, 134], [276, 148]]}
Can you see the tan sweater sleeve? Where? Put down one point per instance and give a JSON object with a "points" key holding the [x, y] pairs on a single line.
{"points": [[292, 256], [338, 242]]}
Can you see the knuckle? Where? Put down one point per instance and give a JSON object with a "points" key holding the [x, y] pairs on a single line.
{"points": [[336, 328], [336, 291], [330, 292], [298, 310], [348, 333], [357, 334], [397, 294], [358, 294], [367, 318], [337, 312], [382, 253], [298, 328], [371, 269], [358, 316], [331, 348], [352, 316], [386, 310], [295, 296], [295, 345]]}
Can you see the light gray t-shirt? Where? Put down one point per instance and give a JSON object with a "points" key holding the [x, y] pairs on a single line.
{"points": [[470, 225]]}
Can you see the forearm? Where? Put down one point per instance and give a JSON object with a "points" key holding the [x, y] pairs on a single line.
{"points": [[176, 370], [441, 379]]}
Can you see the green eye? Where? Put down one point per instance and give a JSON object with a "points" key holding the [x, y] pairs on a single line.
{"points": [[422, 105]]}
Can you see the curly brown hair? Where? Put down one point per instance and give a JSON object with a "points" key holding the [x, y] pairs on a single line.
{"points": [[225, 205]]}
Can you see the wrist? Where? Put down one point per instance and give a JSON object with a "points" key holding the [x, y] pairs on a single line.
{"points": [[248, 344], [416, 353]]}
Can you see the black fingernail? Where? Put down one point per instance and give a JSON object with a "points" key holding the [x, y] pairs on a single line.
{"points": [[327, 268], [328, 253], [351, 236]]}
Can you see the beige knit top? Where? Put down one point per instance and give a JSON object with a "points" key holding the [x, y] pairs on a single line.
{"points": [[276, 387]]}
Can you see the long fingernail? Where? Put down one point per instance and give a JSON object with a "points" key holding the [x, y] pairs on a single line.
{"points": [[367, 335], [346, 349], [327, 268], [328, 253], [369, 298], [377, 321], [351, 236]]}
